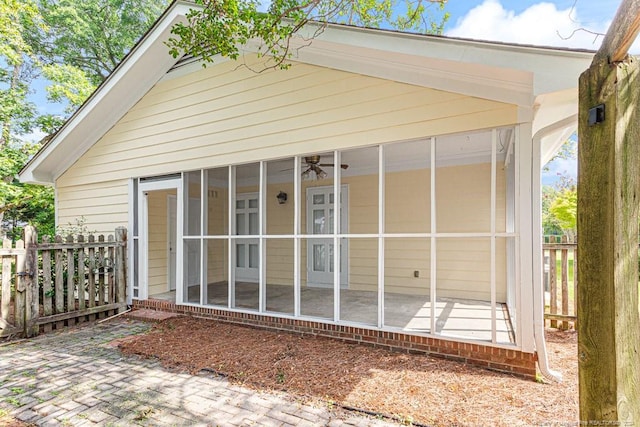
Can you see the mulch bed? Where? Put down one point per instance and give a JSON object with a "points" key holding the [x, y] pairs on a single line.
{"points": [[409, 387]]}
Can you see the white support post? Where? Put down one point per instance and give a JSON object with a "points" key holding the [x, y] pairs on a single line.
{"points": [[204, 288], [433, 262], [232, 229], [381, 218], [262, 218], [494, 138], [337, 207], [296, 231]]}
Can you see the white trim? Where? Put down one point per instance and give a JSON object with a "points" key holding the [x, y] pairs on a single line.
{"points": [[492, 274], [337, 256], [231, 281], [262, 248], [131, 219], [171, 199], [381, 246], [506, 73], [143, 237], [297, 200], [433, 284]]}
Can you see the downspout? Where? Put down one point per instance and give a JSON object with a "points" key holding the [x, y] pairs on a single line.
{"points": [[538, 294]]}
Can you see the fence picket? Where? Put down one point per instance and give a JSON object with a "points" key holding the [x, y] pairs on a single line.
{"points": [[71, 271], [5, 304], [59, 282], [47, 292], [553, 282], [91, 279], [561, 310], [110, 275], [564, 265], [32, 290], [20, 297], [81, 276], [101, 273]]}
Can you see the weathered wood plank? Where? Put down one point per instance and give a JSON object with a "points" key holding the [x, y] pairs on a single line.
{"points": [[110, 273], [622, 34], [11, 252], [120, 266], [86, 245], [5, 303], [20, 295], [559, 246], [608, 189], [81, 276], [47, 290], [553, 285], [71, 272], [564, 267], [561, 317], [79, 313], [91, 278], [32, 289], [101, 273], [59, 282]]}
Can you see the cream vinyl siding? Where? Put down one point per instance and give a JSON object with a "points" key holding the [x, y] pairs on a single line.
{"points": [[224, 114], [102, 206], [158, 240]]}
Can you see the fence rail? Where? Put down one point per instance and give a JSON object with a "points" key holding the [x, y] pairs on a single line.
{"points": [[52, 284], [560, 281]]}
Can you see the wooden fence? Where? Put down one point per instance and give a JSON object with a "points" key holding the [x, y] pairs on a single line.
{"points": [[52, 284], [560, 281]]}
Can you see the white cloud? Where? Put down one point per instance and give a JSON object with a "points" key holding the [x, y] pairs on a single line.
{"points": [[541, 24]]}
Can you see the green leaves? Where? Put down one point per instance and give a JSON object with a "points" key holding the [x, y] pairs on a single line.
{"points": [[69, 83], [222, 27]]}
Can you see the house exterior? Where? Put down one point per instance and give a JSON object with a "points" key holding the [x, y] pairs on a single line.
{"points": [[384, 189]]}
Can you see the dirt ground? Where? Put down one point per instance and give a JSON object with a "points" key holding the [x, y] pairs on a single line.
{"points": [[410, 388]]}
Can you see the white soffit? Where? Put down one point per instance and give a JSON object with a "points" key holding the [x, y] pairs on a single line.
{"points": [[550, 69]]}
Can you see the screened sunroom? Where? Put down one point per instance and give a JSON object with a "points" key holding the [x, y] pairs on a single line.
{"points": [[417, 236]]}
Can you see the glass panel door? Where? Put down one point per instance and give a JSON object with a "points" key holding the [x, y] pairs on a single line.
{"points": [[320, 211], [247, 250]]}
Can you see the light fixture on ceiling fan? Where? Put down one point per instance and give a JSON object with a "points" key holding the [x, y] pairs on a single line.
{"points": [[314, 165]]}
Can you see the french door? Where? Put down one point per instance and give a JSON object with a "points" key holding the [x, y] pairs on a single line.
{"points": [[247, 250], [320, 251]]}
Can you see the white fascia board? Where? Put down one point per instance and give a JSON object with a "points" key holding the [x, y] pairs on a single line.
{"points": [[147, 63]]}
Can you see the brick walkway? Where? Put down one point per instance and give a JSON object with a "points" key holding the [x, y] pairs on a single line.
{"points": [[76, 378]]}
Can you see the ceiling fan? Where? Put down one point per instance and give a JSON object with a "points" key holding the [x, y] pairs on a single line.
{"points": [[314, 165]]}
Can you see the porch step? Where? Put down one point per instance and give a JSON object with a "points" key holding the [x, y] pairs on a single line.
{"points": [[147, 315]]}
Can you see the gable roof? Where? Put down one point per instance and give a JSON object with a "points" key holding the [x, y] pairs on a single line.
{"points": [[542, 81]]}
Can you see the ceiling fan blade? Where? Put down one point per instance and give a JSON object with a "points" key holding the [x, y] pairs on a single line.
{"points": [[331, 165]]}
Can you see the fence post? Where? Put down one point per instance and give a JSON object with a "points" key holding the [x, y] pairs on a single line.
{"points": [[32, 312], [120, 266], [20, 301], [6, 285]]}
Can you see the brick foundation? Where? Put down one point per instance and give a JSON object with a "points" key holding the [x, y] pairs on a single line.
{"points": [[494, 358]]}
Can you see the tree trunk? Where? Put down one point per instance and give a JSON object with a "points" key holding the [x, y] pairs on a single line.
{"points": [[608, 198], [5, 136]]}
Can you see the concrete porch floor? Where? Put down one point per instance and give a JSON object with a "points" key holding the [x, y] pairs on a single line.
{"points": [[410, 313]]}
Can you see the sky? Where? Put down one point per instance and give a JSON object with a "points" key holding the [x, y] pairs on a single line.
{"points": [[564, 23]]}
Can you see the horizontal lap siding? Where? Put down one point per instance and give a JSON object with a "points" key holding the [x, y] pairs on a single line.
{"points": [[225, 114], [102, 206]]}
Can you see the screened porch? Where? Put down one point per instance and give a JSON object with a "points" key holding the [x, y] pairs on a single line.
{"points": [[417, 236]]}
